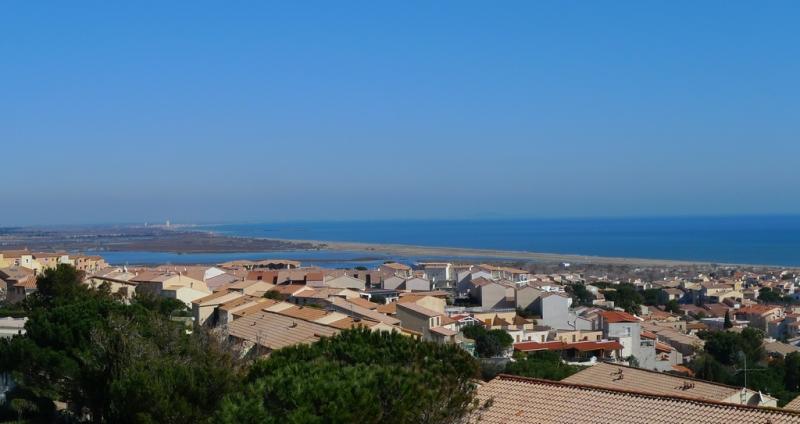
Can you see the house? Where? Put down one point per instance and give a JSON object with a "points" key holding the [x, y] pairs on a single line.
{"points": [[345, 282], [555, 312], [116, 280], [516, 400], [626, 328], [760, 316], [675, 294], [393, 283], [490, 294], [620, 377], [417, 284], [227, 312], [252, 287], [265, 332], [438, 272], [396, 269], [430, 302], [575, 352], [424, 321], [89, 264], [506, 273], [352, 309], [204, 309], [20, 282], [525, 296], [320, 296], [171, 285]]}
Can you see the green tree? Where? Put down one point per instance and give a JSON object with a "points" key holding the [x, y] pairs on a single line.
{"points": [[706, 367], [725, 346], [357, 376], [766, 295], [580, 294], [672, 306], [113, 362], [545, 364], [625, 296], [792, 372], [488, 343], [653, 297], [727, 324]]}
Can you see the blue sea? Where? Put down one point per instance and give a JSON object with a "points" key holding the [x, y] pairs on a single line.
{"points": [[764, 240]]}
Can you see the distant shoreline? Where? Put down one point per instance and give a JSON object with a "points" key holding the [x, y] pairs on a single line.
{"points": [[187, 240], [461, 252]]}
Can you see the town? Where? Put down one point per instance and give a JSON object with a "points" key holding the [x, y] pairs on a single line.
{"points": [[722, 340]]}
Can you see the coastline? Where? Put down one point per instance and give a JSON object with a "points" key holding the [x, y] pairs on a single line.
{"points": [[460, 252]]}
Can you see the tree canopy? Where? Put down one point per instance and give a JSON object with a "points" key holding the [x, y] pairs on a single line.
{"points": [[117, 362], [110, 361], [488, 343], [545, 364], [625, 296], [357, 376]]}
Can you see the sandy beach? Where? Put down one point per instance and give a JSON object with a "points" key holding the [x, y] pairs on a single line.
{"points": [[458, 252]]}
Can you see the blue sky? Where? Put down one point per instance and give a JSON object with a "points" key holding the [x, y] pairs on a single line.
{"points": [[256, 111]]}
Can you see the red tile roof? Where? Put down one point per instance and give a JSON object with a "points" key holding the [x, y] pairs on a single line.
{"points": [[559, 345], [618, 316]]}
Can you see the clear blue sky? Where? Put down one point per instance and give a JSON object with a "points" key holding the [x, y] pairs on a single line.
{"points": [[232, 111]]}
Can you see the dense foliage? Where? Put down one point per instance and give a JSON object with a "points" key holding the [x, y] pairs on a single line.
{"points": [[488, 343], [358, 376], [111, 362], [625, 296], [767, 295], [726, 354], [580, 294], [545, 364]]}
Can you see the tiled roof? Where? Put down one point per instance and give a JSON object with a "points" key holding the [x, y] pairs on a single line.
{"points": [[363, 312], [587, 346], [518, 400], [444, 331], [306, 313], [757, 309], [618, 316], [620, 377], [363, 303], [275, 331], [421, 310], [793, 404]]}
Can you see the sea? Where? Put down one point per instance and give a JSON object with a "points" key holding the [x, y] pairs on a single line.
{"points": [[759, 240]]}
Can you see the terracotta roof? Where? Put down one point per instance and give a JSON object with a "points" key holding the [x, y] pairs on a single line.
{"points": [[793, 404], [363, 303], [389, 308], [275, 331], [587, 346], [757, 309], [290, 289], [397, 266], [306, 313], [519, 400], [648, 335], [363, 312], [444, 331], [421, 310], [653, 382], [618, 316]]}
